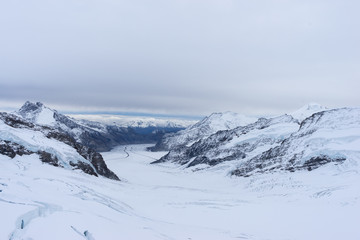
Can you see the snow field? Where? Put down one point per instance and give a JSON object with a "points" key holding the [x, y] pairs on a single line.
{"points": [[166, 201]]}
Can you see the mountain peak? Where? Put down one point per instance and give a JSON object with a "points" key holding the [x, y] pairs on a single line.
{"points": [[30, 106], [37, 113], [308, 110], [313, 105], [225, 120]]}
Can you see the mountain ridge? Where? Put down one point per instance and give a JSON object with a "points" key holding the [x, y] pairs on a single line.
{"points": [[266, 145], [204, 128], [99, 136], [21, 137]]}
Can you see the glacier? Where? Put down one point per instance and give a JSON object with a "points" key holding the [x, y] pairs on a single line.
{"points": [[165, 201]]}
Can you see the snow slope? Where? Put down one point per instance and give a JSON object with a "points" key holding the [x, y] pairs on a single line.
{"points": [[164, 201]]}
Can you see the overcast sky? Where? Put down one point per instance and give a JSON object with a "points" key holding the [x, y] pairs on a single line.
{"points": [[182, 57]]}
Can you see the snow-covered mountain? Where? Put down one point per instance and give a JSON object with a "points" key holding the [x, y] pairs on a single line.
{"points": [[235, 144], [21, 137], [278, 143], [135, 121], [99, 136], [331, 136], [202, 129], [276, 197]]}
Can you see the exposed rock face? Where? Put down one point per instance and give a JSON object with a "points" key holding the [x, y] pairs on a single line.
{"points": [[49, 158], [204, 128], [20, 137], [15, 121], [94, 157], [11, 149], [326, 137], [234, 144]]}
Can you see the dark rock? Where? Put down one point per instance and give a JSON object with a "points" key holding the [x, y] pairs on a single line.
{"points": [[15, 121], [86, 168], [48, 158], [11, 149], [94, 157]]}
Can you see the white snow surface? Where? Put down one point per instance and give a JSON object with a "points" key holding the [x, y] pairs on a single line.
{"points": [[45, 117], [42, 202]]}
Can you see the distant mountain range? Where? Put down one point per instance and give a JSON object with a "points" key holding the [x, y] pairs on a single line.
{"points": [[96, 135], [302, 140], [306, 139], [136, 121]]}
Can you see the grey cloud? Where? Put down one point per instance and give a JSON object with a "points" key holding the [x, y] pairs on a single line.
{"points": [[177, 57]]}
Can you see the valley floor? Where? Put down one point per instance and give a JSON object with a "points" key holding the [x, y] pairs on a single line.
{"points": [[38, 201]]}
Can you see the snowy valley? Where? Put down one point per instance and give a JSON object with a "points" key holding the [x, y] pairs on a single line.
{"points": [[228, 176], [167, 202]]}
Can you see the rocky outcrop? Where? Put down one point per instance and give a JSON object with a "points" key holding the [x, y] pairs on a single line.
{"points": [[11, 149], [94, 157]]}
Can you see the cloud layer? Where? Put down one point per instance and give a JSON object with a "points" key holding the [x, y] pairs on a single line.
{"points": [[180, 57]]}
